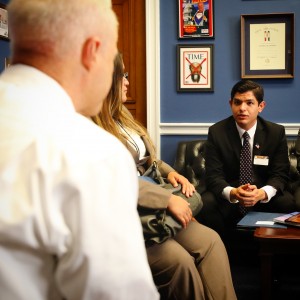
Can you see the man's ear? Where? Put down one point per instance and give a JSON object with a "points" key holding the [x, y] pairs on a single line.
{"points": [[90, 52], [261, 106]]}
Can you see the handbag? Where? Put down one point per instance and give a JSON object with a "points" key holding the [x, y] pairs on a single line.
{"points": [[157, 224]]}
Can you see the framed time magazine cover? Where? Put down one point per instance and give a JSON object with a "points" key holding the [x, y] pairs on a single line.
{"points": [[195, 68], [195, 19]]}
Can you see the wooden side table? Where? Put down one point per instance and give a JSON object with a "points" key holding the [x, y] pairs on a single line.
{"points": [[274, 241]]}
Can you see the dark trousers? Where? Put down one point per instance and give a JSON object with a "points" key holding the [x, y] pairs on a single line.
{"points": [[221, 215], [297, 197]]}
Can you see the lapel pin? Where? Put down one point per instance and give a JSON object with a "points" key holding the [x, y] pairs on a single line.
{"points": [[257, 146]]}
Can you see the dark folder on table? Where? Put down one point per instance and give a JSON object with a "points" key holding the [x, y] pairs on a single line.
{"points": [[259, 219]]}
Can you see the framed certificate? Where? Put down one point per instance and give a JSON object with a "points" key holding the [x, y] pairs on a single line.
{"points": [[195, 68], [267, 45], [195, 19]]}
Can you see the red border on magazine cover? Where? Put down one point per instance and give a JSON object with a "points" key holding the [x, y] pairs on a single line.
{"points": [[195, 19]]}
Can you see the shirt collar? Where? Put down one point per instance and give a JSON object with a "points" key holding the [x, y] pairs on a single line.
{"points": [[251, 131], [34, 81]]}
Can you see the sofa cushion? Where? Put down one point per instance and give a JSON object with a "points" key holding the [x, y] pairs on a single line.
{"points": [[190, 162]]}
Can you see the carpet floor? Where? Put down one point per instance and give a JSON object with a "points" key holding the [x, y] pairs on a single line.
{"points": [[245, 268]]}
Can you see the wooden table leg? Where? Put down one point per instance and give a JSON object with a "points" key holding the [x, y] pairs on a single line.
{"points": [[266, 275], [274, 241]]}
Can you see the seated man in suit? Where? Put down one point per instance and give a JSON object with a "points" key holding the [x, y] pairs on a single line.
{"points": [[233, 190], [298, 150], [297, 189]]}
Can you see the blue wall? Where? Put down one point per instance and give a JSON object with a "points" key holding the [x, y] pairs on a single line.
{"points": [[281, 95], [4, 47]]}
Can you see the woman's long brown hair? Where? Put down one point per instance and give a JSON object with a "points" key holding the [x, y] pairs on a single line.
{"points": [[113, 109]]}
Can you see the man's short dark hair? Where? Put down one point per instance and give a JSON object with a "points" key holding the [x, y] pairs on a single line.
{"points": [[244, 86]]}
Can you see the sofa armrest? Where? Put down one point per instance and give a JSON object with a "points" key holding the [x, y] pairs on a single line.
{"points": [[190, 162]]}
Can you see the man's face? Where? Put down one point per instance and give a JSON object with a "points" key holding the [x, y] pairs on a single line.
{"points": [[245, 109], [101, 79], [201, 6]]}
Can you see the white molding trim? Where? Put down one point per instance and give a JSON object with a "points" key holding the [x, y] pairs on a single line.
{"points": [[153, 70], [291, 129]]}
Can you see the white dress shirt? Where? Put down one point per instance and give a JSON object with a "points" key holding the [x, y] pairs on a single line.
{"points": [[69, 227], [270, 190]]}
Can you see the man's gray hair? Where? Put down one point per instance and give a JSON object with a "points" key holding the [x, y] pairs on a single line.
{"points": [[59, 23]]}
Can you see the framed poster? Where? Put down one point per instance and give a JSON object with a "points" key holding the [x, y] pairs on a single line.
{"points": [[3, 22], [195, 68], [267, 45], [195, 19]]}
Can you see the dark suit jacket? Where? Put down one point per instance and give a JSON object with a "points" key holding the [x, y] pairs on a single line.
{"points": [[298, 150], [223, 151]]}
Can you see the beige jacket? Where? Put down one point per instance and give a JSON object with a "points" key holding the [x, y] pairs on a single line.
{"points": [[150, 195]]}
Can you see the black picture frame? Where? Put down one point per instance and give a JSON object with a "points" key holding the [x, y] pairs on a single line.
{"points": [[267, 45], [4, 30], [195, 68], [193, 23]]}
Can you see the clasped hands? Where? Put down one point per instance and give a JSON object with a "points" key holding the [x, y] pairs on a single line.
{"points": [[248, 195]]}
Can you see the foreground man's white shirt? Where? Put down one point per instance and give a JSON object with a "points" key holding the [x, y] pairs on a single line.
{"points": [[69, 227]]}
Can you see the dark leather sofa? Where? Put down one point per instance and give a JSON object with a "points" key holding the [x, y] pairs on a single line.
{"points": [[190, 162]]}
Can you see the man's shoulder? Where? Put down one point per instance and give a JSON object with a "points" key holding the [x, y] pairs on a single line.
{"points": [[222, 124], [80, 142], [95, 139], [265, 124]]}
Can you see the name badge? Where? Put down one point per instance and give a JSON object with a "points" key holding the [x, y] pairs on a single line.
{"points": [[261, 160]]}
